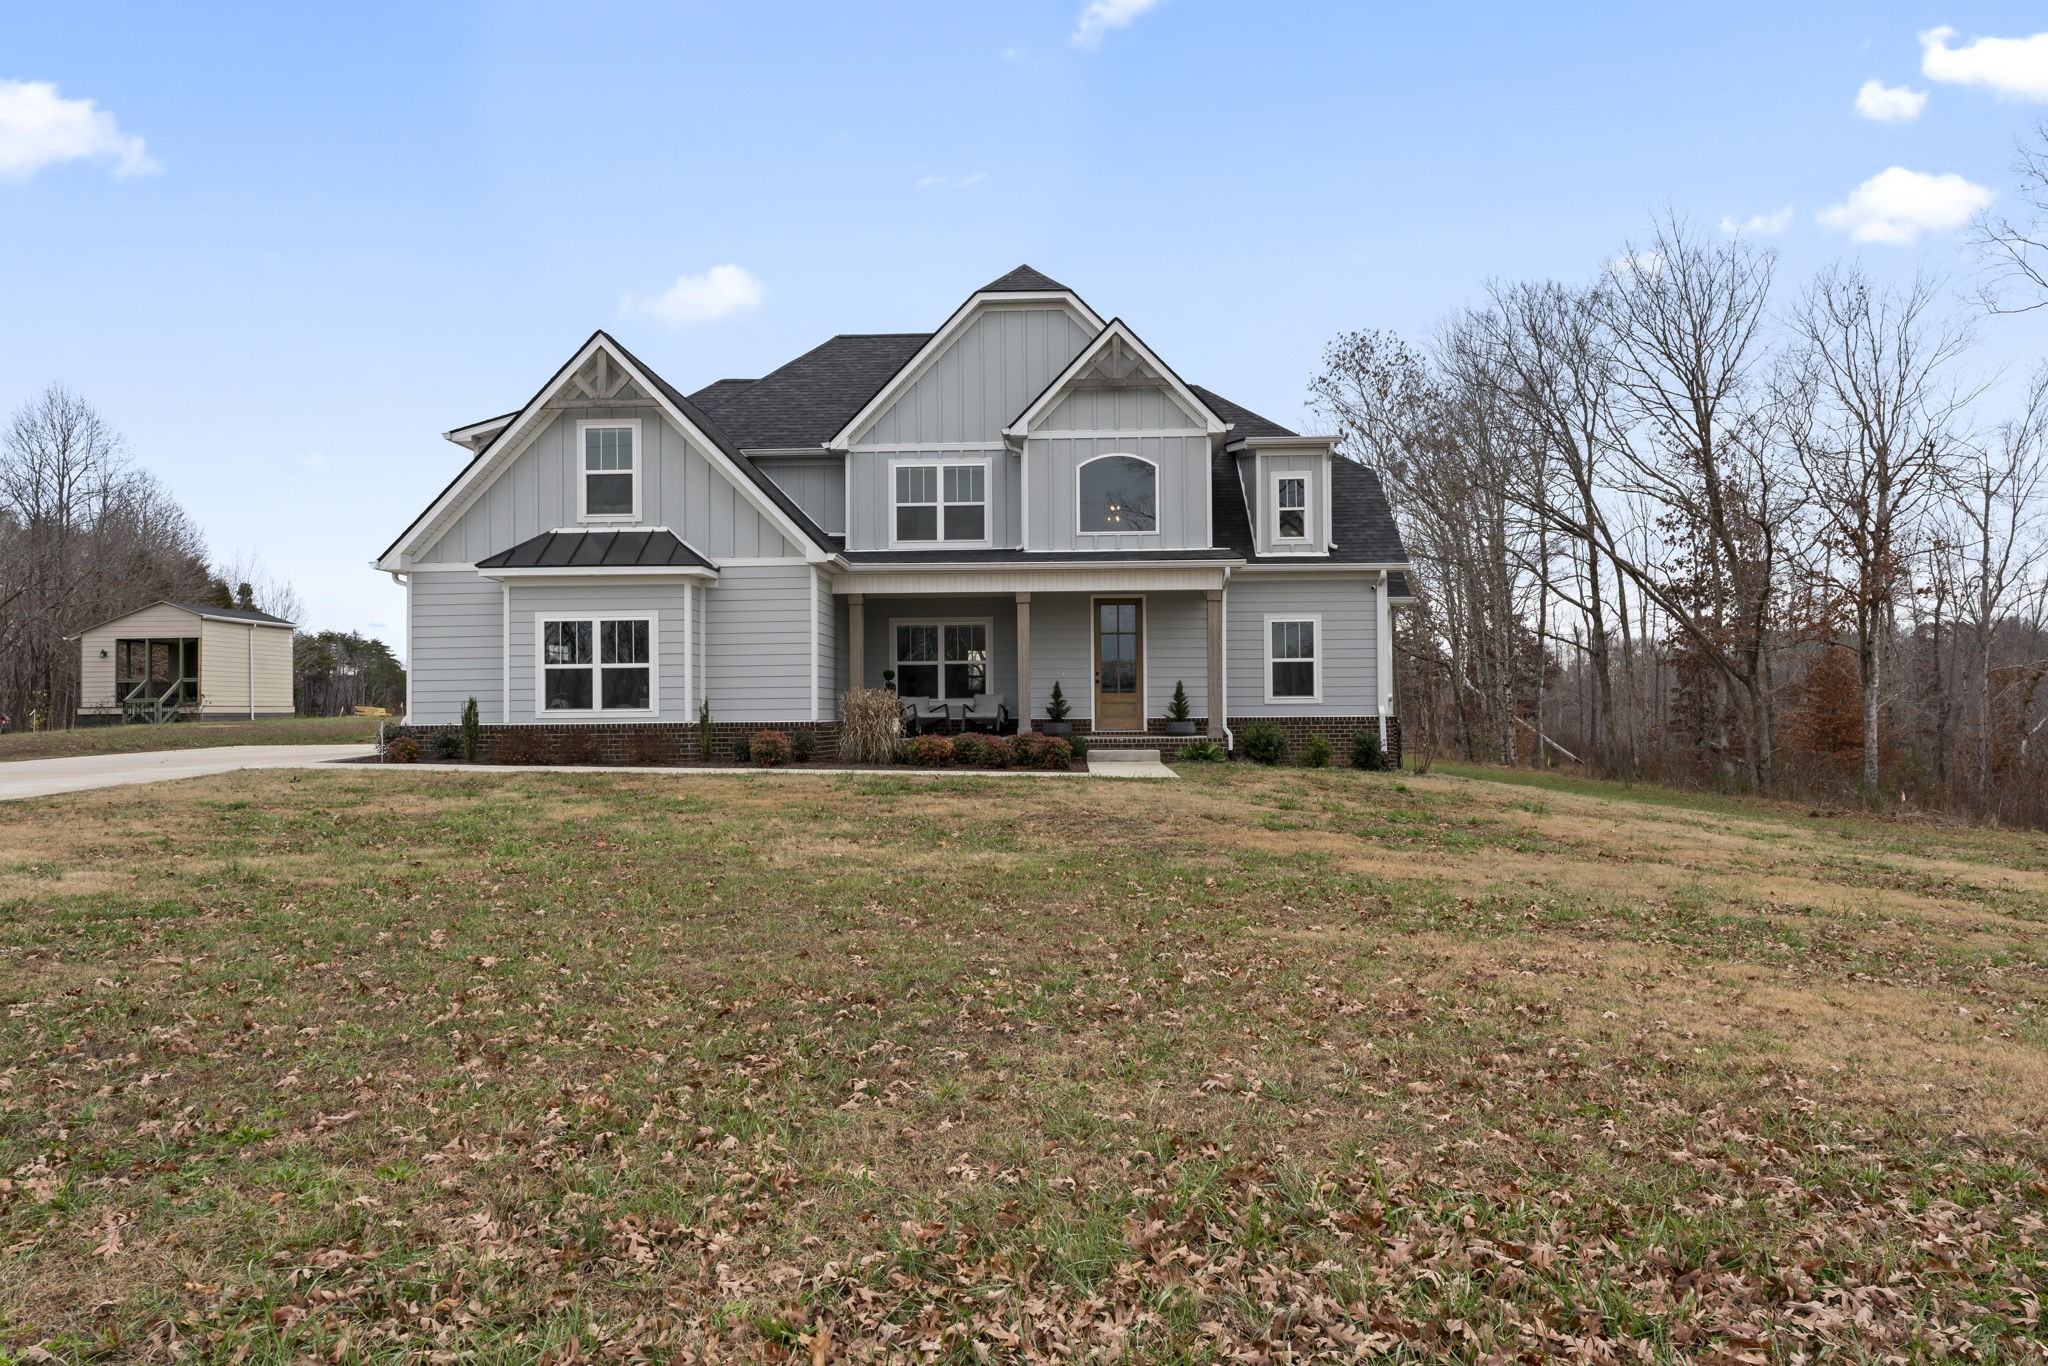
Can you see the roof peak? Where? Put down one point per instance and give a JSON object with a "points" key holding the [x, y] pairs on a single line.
{"points": [[1023, 280]]}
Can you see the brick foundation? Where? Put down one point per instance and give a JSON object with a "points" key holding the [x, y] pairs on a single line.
{"points": [[1338, 730], [620, 742], [1153, 737]]}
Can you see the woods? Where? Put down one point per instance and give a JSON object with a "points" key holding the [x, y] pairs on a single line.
{"points": [[1681, 522]]}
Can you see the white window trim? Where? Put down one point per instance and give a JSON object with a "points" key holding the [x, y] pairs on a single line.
{"points": [[1308, 507], [583, 475], [988, 505], [1117, 455], [652, 710], [988, 623], [1273, 618]]}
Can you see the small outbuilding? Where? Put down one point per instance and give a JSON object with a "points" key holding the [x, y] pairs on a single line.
{"points": [[184, 661]]}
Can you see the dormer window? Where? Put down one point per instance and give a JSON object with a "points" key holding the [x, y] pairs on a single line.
{"points": [[941, 503], [1119, 496], [609, 455], [1290, 509]]}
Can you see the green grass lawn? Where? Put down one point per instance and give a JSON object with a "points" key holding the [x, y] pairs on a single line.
{"points": [[1263, 1065], [292, 730]]}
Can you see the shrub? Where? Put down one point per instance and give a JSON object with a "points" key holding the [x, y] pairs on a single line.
{"points": [[1264, 743], [1057, 707], [803, 746], [1079, 743], [1178, 709], [446, 744], [704, 731], [1053, 752], [768, 748], [1317, 753], [1201, 752], [870, 726], [742, 750], [970, 750], [1001, 753], [1367, 752], [472, 731], [402, 750], [929, 751]]}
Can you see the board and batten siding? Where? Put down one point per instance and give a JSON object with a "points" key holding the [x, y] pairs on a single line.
{"points": [[816, 486], [680, 489], [1313, 464], [870, 521], [1136, 409], [457, 646], [757, 646], [1052, 488], [1348, 641], [984, 380]]}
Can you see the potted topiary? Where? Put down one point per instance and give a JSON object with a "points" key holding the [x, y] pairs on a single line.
{"points": [[1178, 721], [1056, 709]]}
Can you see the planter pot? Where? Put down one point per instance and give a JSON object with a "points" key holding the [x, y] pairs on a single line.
{"points": [[1056, 728], [1180, 728]]}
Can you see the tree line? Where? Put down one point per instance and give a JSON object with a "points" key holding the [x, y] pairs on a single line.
{"points": [[1682, 522], [87, 535]]}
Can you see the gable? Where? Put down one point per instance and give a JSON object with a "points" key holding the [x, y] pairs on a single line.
{"points": [[1122, 385], [978, 382], [1126, 408]]}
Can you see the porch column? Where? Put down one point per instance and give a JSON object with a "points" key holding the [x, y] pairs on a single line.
{"points": [[1023, 663], [1215, 698], [857, 643]]}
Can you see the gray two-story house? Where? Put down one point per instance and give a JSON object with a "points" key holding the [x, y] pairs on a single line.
{"points": [[1026, 496]]}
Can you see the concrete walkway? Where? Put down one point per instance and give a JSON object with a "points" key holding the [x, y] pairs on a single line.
{"points": [[48, 777]]}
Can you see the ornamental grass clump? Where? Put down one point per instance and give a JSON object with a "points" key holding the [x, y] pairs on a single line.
{"points": [[870, 726]]}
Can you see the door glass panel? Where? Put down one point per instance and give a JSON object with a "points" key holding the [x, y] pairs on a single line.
{"points": [[1117, 648]]}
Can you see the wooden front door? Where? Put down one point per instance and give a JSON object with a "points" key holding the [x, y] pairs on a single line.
{"points": [[1119, 664]]}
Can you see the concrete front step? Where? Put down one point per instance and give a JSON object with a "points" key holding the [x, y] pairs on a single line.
{"points": [[1123, 756]]}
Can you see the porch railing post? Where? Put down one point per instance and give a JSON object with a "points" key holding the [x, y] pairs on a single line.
{"points": [[1023, 663], [1214, 701]]}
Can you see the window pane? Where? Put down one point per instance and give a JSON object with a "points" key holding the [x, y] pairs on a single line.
{"points": [[627, 689], [967, 642], [608, 448], [1107, 613], [1127, 617], [1119, 493], [917, 680], [565, 642], [1294, 679], [966, 523], [1293, 493], [623, 642], [966, 680], [1293, 524], [917, 523], [567, 690], [917, 643], [917, 483], [1305, 639], [608, 495], [964, 483]]}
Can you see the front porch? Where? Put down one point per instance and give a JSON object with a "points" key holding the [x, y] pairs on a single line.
{"points": [[1115, 655]]}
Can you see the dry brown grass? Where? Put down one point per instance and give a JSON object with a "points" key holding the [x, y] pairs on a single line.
{"points": [[1264, 1064]]}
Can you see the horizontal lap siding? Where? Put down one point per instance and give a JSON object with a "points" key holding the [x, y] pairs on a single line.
{"points": [[596, 598], [96, 675], [758, 644], [224, 658], [1063, 652], [1348, 646], [830, 646], [457, 647], [680, 489], [1177, 650]]}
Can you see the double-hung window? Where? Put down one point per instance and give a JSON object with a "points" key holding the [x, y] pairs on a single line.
{"points": [[942, 504], [1290, 508], [942, 659], [608, 471], [596, 664], [1293, 664]]}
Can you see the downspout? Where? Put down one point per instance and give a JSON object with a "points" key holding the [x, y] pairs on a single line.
{"points": [[405, 581]]}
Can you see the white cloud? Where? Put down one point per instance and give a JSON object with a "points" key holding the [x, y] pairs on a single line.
{"points": [[1890, 103], [39, 127], [1896, 205], [950, 182], [1637, 265], [1103, 15], [718, 293], [2017, 68], [1760, 224]]}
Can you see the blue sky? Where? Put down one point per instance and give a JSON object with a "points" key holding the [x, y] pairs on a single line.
{"points": [[286, 246]]}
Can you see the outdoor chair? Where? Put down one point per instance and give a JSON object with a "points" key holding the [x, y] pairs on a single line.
{"points": [[920, 712], [989, 711]]}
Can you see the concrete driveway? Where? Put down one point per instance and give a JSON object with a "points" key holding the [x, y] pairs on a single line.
{"points": [[46, 777]]}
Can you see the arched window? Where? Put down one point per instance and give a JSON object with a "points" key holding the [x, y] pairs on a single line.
{"points": [[1119, 494]]}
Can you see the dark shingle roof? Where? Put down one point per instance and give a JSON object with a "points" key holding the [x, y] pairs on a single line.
{"points": [[1360, 519], [717, 392], [1022, 280], [1243, 421], [598, 549], [807, 401], [228, 613]]}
